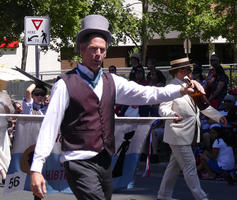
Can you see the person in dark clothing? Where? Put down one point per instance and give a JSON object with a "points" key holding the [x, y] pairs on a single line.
{"points": [[135, 63]]}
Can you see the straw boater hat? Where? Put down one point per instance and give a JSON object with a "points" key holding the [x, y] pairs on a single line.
{"points": [[180, 63], [94, 24]]}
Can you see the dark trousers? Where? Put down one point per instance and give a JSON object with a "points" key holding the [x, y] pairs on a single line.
{"points": [[90, 179]]}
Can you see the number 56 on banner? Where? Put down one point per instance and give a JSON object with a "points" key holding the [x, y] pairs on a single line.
{"points": [[14, 182]]}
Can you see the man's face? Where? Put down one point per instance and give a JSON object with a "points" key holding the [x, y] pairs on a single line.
{"points": [[186, 71], [214, 61], [94, 53]]}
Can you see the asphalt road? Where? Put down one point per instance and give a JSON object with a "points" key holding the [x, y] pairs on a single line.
{"points": [[146, 189]]}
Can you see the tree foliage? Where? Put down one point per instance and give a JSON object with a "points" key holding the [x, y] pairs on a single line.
{"points": [[65, 18], [200, 19]]}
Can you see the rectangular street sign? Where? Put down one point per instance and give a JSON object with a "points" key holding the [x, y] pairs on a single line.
{"points": [[36, 30]]}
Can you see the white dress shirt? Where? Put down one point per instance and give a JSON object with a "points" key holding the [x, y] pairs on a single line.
{"points": [[127, 93]]}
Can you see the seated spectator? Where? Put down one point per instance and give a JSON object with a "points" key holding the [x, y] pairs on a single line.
{"points": [[34, 101], [229, 109], [112, 69], [221, 156]]}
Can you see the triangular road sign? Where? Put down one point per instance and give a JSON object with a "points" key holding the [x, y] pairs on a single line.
{"points": [[37, 23]]}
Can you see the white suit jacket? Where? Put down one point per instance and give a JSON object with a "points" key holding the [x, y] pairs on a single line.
{"points": [[182, 133]]}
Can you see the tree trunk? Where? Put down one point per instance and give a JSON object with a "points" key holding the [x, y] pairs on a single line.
{"points": [[24, 56]]}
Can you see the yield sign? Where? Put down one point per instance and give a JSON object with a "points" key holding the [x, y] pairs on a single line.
{"points": [[36, 30], [37, 23]]}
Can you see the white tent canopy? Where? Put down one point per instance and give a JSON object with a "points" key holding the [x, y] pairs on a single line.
{"points": [[8, 74]]}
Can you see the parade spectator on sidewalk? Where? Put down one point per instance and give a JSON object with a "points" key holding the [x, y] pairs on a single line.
{"points": [[34, 101], [135, 63], [112, 69], [197, 74], [136, 110], [157, 78], [181, 133], [229, 109], [82, 107], [220, 158], [5, 108], [18, 107], [217, 82]]}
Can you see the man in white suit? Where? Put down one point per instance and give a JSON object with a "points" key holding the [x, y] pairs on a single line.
{"points": [[181, 133]]}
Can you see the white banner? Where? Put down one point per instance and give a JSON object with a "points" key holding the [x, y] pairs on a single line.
{"points": [[129, 139]]}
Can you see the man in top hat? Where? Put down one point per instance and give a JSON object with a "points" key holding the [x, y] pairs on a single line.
{"points": [[182, 133], [82, 108]]}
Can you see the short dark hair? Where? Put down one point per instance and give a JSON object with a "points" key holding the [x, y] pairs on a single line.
{"points": [[39, 90], [86, 39], [113, 68]]}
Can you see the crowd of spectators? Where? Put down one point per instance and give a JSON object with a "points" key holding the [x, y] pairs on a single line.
{"points": [[214, 146], [216, 140], [35, 101]]}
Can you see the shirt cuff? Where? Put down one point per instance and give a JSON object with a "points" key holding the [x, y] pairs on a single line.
{"points": [[36, 166]]}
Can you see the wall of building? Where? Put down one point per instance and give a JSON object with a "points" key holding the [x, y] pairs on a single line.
{"points": [[49, 61]]}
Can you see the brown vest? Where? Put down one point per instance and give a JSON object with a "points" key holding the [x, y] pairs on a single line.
{"points": [[88, 123]]}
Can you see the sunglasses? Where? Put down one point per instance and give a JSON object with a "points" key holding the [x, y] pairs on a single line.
{"points": [[37, 95]]}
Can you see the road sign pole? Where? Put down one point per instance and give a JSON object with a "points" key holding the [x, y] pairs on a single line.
{"points": [[37, 61]]}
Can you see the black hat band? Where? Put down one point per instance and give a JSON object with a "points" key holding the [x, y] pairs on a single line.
{"points": [[181, 64]]}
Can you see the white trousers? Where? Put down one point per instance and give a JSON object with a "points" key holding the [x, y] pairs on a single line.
{"points": [[182, 158]]}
